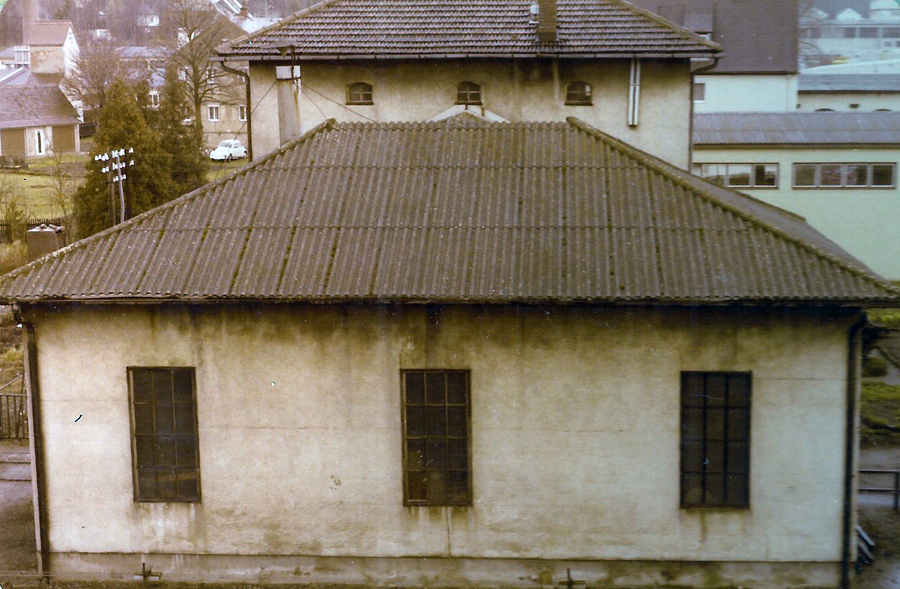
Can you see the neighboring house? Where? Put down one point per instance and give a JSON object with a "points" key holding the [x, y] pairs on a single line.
{"points": [[848, 92], [612, 65], [849, 34], [147, 63], [454, 353], [35, 119], [838, 170], [757, 71], [53, 47]]}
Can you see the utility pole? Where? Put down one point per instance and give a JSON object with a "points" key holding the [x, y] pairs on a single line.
{"points": [[116, 174]]}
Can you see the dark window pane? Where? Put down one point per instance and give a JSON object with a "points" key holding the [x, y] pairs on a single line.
{"points": [[716, 385], [435, 422], [142, 387], [435, 388], [184, 419], [578, 93], [415, 421], [692, 456], [692, 424], [715, 424], [165, 419], [738, 457], [186, 451], [165, 448], [765, 174], [187, 485], [868, 33], [162, 387], [739, 174], [738, 424], [804, 175], [415, 388], [714, 461], [737, 490], [415, 454], [849, 32], [458, 487], [436, 454], [692, 385], [692, 489], [717, 173], [457, 422], [882, 175], [416, 486], [715, 490], [436, 486], [184, 386], [166, 484], [739, 390], [145, 447], [143, 419], [458, 454], [146, 483], [456, 388], [857, 174], [831, 174]]}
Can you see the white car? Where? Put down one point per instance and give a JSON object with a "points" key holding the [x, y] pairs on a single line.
{"points": [[228, 150]]}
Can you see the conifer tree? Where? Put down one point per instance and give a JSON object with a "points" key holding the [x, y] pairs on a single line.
{"points": [[183, 143], [149, 181]]}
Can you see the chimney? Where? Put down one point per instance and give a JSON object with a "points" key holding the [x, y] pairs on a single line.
{"points": [[547, 21]]}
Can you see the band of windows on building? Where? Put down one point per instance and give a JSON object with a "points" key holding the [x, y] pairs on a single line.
{"points": [[436, 437], [471, 93], [827, 175]]}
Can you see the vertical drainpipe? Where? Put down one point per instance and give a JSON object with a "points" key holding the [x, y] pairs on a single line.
{"points": [[853, 352], [36, 440]]}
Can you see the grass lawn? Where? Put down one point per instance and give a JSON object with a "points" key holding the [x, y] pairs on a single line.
{"points": [[34, 186], [880, 415], [219, 170]]}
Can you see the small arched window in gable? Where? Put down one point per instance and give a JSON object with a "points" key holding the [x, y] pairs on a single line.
{"points": [[468, 93], [359, 93], [579, 94]]}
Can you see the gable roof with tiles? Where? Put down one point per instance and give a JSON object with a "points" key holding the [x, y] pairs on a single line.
{"points": [[457, 211], [813, 129], [427, 29], [31, 106]]}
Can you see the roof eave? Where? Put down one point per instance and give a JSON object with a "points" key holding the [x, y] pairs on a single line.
{"points": [[277, 57]]}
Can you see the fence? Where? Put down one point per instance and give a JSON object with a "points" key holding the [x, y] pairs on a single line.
{"points": [[6, 235], [13, 410], [882, 475]]}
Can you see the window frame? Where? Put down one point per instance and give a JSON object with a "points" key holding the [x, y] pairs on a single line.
{"points": [[684, 473], [154, 99], [154, 496], [407, 500], [242, 113], [468, 89], [843, 185], [209, 113], [576, 89], [357, 91], [698, 170], [699, 92]]}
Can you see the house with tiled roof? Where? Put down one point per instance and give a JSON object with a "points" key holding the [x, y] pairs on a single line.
{"points": [[836, 169], [449, 354], [36, 118], [615, 66], [52, 46]]}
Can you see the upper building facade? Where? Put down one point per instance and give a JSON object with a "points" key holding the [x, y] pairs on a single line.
{"points": [[617, 67]]}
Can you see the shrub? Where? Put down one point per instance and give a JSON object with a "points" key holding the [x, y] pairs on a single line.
{"points": [[874, 366]]}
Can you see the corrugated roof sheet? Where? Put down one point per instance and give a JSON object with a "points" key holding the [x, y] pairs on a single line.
{"points": [[797, 128], [758, 36], [29, 106], [437, 28], [848, 83], [458, 210]]}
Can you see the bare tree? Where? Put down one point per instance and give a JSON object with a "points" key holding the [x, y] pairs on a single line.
{"points": [[62, 190], [96, 67], [191, 30]]}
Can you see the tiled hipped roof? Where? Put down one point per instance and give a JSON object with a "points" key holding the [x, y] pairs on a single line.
{"points": [[467, 28], [456, 211]]}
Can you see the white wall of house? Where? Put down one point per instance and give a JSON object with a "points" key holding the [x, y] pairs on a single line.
{"points": [[845, 101], [747, 93], [55, 59], [574, 439], [228, 125], [863, 221], [516, 90]]}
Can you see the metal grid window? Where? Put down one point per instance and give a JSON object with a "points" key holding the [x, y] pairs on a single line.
{"points": [[715, 439], [739, 175], [578, 94], [436, 437], [468, 93], [359, 93], [164, 434], [845, 175]]}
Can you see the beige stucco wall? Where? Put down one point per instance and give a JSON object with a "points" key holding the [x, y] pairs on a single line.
{"points": [[516, 90], [863, 221], [229, 125], [575, 433]]}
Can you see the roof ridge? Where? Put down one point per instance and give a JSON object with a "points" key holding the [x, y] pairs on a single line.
{"points": [[164, 208], [660, 167], [669, 24]]}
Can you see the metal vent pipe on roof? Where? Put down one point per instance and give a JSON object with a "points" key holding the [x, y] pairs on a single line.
{"points": [[547, 23]]}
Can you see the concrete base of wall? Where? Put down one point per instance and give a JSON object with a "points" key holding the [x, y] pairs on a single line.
{"points": [[442, 572]]}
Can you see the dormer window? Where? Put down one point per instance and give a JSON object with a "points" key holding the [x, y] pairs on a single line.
{"points": [[359, 93], [468, 93], [578, 94]]}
